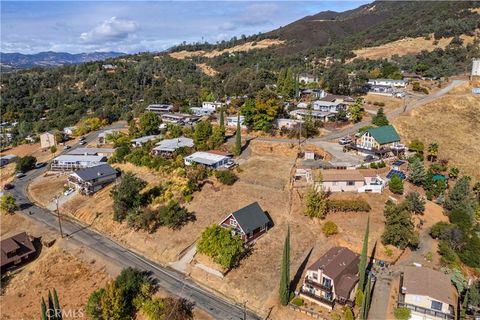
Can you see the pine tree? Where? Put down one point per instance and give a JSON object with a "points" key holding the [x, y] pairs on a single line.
{"points": [[238, 138], [362, 265], [222, 120], [396, 184], [416, 172], [284, 290], [380, 119], [44, 309]]}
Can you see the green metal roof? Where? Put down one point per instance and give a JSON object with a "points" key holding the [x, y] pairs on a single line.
{"points": [[385, 134]]}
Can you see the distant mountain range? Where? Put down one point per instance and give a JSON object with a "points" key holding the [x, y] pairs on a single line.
{"points": [[14, 61]]}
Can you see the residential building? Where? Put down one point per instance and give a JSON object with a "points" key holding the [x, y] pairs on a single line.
{"points": [[16, 250], [429, 294], [250, 222], [47, 140], [178, 118], [212, 106], [201, 112], [332, 279], [208, 159], [89, 180], [69, 130], [159, 108], [169, 146], [306, 78], [312, 93], [388, 82], [381, 139], [6, 159], [75, 162], [337, 98], [338, 180], [287, 123], [232, 122], [475, 68], [138, 142], [328, 106], [373, 182], [314, 114], [103, 136], [384, 90], [104, 152]]}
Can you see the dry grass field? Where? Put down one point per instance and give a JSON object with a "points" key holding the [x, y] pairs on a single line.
{"points": [[45, 188], [407, 46], [262, 44], [205, 68], [453, 123]]}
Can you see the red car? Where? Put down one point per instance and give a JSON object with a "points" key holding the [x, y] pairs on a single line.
{"points": [[8, 186]]}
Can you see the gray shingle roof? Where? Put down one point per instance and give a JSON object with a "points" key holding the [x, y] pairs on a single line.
{"points": [[251, 217], [91, 173]]}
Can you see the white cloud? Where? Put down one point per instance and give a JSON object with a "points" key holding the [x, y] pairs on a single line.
{"points": [[111, 30]]}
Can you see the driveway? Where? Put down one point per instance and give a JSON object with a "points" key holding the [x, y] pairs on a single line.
{"points": [[339, 157]]}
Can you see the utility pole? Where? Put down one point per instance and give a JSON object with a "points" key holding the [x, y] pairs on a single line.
{"points": [[59, 220]]}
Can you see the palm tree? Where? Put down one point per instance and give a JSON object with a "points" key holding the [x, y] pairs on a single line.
{"points": [[433, 151]]}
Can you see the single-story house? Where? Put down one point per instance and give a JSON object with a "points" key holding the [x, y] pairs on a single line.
{"points": [[316, 115], [69, 162], [104, 152], [312, 93], [332, 279], [180, 118], [208, 159], [169, 146], [201, 112], [16, 250], [306, 78], [6, 159], [47, 140], [250, 222], [328, 106], [381, 138], [69, 130], [388, 82], [142, 140], [381, 89], [232, 122], [338, 180], [89, 180], [429, 294], [337, 98], [212, 106], [287, 123], [159, 108], [373, 181]]}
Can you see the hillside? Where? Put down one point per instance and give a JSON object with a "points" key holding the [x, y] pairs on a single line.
{"points": [[14, 61]]}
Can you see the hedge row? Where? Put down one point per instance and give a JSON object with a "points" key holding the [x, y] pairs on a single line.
{"points": [[356, 205]]}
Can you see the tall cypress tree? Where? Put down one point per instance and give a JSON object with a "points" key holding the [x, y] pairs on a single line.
{"points": [[366, 300], [44, 309], [238, 138], [51, 307], [222, 120], [58, 312], [362, 265], [284, 290]]}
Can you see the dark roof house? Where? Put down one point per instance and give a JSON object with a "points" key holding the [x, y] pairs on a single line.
{"points": [[250, 222], [15, 250]]}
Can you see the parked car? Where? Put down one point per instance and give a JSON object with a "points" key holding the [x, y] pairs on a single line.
{"points": [[82, 142], [230, 164], [82, 138], [344, 141], [19, 175], [7, 186], [66, 147], [68, 192], [40, 165]]}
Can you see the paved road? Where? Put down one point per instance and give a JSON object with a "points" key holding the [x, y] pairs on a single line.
{"points": [[84, 237]]}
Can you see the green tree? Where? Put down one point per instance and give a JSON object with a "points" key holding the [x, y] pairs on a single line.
{"points": [[416, 172], [149, 123], [284, 290], [416, 146], [362, 265], [93, 308], [217, 138], [7, 203], [25, 164], [126, 195], [399, 228], [226, 177], [43, 307], [396, 184], [476, 189], [174, 216], [53, 149], [222, 246], [402, 313], [415, 203], [355, 112], [316, 203], [380, 119], [238, 138], [432, 151], [113, 303], [57, 305], [348, 313], [53, 312], [201, 135], [366, 299]]}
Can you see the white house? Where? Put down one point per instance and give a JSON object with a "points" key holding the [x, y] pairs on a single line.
{"points": [[69, 130], [232, 122], [160, 108], [327, 106], [306, 78], [212, 106], [314, 114], [75, 162], [208, 159], [383, 90], [429, 294], [169, 146], [364, 180], [287, 123], [388, 82], [142, 140], [201, 112]]}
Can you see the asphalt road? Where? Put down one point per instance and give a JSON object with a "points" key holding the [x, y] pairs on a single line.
{"points": [[77, 234]]}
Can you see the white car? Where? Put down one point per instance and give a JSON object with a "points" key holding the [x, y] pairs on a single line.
{"points": [[82, 142], [230, 164], [69, 191]]}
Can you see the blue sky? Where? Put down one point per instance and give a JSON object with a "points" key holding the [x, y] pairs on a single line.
{"points": [[136, 26]]}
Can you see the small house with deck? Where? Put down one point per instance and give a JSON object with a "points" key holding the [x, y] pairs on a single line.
{"points": [[250, 222], [90, 180], [379, 140], [16, 250]]}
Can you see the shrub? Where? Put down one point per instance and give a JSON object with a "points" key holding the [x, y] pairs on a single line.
{"points": [[297, 302], [402, 313], [449, 256], [329, 228], [396, 184], [439, 229], [174, 216], [316, 203], [221, 245], [348, 205], [226, 177], [7, 203]]}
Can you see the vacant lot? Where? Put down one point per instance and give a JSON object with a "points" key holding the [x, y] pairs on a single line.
{"points": [[372, 101], [452, 122], [45, 188], [262, 44], [407, 46]]}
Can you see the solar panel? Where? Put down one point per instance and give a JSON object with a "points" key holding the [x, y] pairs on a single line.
{"points": [[401, 174]]}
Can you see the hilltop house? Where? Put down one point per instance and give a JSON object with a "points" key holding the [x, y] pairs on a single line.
{"points": [[429, 294], [250, 222], [168, 146], [89, 180], [208, 159], [379, 140], [312, 93], [381, 90], [388, 82], [16, 250], [212, 106], [159, 108], [47, 140], [138, 142], [341, 180], [332, 279], [337, 98], [306, 78], [69, 162]]}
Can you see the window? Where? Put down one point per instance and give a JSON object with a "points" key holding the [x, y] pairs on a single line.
{"points": [[327, 282], [436, 305], [350, 183], [334, 183]]}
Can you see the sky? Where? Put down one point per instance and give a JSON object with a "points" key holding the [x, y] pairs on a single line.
{"points": [[139, 26]]}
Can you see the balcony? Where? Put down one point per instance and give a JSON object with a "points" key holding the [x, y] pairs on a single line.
{"points": [[318, 285], [322, 300], [431, 312]]}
